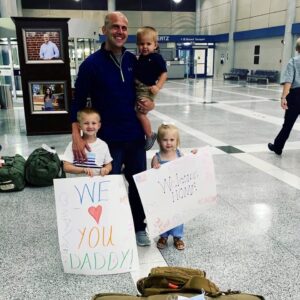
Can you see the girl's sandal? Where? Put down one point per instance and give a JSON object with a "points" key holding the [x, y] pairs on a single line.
{"points": [[162, 243], [178, 243]]}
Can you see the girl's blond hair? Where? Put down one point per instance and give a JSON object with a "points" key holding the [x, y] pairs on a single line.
{"points": [[162, 131]]}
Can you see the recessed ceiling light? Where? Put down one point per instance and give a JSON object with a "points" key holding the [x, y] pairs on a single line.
{"points": [[177, 1]]}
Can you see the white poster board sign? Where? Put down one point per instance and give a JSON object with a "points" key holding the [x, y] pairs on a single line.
{"points": [[176, 192], [95, 226]]}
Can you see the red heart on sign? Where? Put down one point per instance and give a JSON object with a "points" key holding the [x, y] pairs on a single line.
{"points": [[95, 212]]}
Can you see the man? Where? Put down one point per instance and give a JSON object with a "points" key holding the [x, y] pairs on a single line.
{"points": [[107, 78], [48, 50]]}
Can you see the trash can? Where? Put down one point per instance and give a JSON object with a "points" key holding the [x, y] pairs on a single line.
{"points": [[5, 96]]}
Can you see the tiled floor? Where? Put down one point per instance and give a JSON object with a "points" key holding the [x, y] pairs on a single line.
{"points": [[248, 240]]}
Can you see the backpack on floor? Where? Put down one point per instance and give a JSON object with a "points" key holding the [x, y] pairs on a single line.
{"points": [[42, 166], [12, 177], [167, 283], [171, 296], [163, 280]]}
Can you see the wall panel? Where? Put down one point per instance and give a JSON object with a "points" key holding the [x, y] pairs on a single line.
{"points": [[277, 18], [259, 7], [208, 4], [220, 50], [259, 22], [278, 5], [270, 54], [242, 25], [243, 9]]}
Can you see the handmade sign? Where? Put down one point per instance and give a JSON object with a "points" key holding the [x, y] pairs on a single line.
{"points": [[95, 226], [177, 191]]}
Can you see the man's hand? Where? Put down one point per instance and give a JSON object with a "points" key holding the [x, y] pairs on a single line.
{"points": [[145, 105], [78, 145], [284, 103]]}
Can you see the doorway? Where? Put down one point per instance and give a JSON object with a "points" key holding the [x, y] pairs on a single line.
{"points": [[9, 66], [198, 61]]}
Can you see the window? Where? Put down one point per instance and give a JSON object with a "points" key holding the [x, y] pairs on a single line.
{"points": [[256, 54]]}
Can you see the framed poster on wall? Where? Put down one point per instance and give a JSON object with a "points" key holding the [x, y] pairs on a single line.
{"points": [[45, 67], [43, 46], [48, 97]]}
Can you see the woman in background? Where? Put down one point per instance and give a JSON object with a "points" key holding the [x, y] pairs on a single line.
{"points": [[49, 100]]}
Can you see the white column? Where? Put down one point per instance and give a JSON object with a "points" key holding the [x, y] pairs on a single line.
{"points": [[11, 65], [10, 8], [111, 5], [288, 48], [231, 46], [198, 16]]}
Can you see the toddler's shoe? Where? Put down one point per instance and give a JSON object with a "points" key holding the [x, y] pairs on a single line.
{"points": [[162, 243], [150, 141], [178, 243]]}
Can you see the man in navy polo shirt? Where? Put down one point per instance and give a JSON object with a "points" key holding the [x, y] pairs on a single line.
{"points": [[107, 77]]}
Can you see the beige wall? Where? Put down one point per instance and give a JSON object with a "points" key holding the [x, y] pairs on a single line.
{"points": [[221, 50], [270, 54], [214, 16], [254, 14], [164, 22], [214, 19]]}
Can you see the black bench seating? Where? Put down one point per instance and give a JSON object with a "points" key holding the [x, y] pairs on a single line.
{"points": [[236, 74], [266, 75]]}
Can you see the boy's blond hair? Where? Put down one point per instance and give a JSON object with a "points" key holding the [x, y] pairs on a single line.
{"points": [[147, 30], [87, 111], [164, 128]]}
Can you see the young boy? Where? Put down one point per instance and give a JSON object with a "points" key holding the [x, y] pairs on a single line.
{"points": [[150, 74], [98, 159]]}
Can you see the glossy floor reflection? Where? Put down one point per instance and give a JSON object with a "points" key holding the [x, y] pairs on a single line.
{"points": [[248, 240]]}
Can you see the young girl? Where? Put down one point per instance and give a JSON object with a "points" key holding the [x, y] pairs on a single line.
{"points": [[98, 159], [168, 141]]}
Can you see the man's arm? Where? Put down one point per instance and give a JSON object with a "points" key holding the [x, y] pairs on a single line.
{"points": [[285, 91], [55, 50], [78, 145], [42, 52]]}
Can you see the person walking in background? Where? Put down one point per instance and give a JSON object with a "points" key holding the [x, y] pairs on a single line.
{"points": [[290, 101], [98, 159], [107, 77], [48, 49], [151, 74], [169, 141]]}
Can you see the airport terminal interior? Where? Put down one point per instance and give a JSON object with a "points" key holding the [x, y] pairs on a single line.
{"points": [[248, 239]]}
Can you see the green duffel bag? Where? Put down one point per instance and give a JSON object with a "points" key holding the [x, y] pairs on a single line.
{"points": [[42, 166], [12, 173], [230, 295]]}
